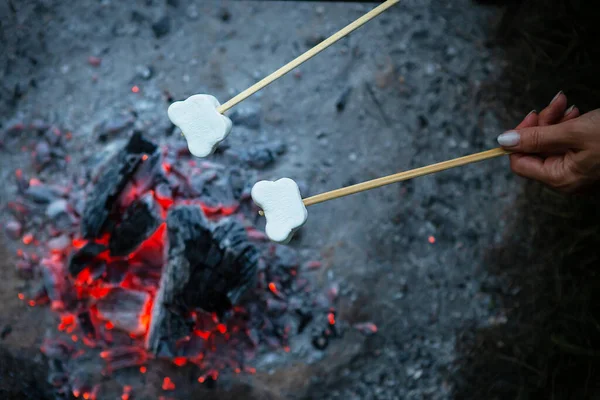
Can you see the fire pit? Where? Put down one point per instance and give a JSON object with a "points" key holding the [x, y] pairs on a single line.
{"points": [[158, 277]]}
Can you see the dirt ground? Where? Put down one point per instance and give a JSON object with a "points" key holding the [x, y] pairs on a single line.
{"points": [[406, 90]]}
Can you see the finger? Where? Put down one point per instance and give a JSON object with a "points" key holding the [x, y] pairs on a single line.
{"points": [[571, 113], [530, 120], [540, 139], [550, 171], [554, 112]]}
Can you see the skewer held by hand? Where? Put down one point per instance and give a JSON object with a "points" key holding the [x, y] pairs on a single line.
{"points": [[403, 176]]}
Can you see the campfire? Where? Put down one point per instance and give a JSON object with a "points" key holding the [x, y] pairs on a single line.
{"points": [[151, 262]]}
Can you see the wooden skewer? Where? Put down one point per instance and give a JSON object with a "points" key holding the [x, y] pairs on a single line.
{"points": [[403, 176], [306, 56]]}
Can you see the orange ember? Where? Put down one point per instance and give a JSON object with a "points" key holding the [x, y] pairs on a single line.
{"points": [[331, 318], [28, 238], [203, 334], [273, 288], [168, 384], [79, 243], [180, 361]]}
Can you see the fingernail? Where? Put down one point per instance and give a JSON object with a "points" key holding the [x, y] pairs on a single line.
{"points": [[556, 97], [531, 112], [509, 139], [569, 110]]}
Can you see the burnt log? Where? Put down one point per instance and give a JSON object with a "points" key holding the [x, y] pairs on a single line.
{"points": [[208, 268], [85, 256], [139, 221], [119, 172]]}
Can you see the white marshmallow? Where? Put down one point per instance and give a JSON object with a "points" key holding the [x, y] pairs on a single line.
{"points": [[283, 207], [202, 125]]}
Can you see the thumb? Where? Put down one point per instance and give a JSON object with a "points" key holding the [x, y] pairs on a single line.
{"points": [[539, 139]]}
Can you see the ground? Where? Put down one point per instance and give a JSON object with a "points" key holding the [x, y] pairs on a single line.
{"points": [[406, 90]]}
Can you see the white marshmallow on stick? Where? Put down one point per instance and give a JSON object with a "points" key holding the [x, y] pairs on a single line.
{"points": [[203, 126], [285, 210], [198, 116]]}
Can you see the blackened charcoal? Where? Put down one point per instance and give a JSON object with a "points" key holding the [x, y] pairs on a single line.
{"points": [[5, 331], [276, 307], [224, 14], [124, 308], [115, 272], [42, 154], [85, 256], [139, 221], [113, 126], [56, 349], [124, 357], [58, 379], [340, 104], [54, 282], [40, 193], [59, 243], [148, 173], [161, 27], [97, 270], [57, 208], [13, 229], [249, 117], [284, 258], [214, 190], [260, 155], [207, 268], [305, 318], [185, 226], [238, 182], [118, 172], [238, 262], [86, 324]]}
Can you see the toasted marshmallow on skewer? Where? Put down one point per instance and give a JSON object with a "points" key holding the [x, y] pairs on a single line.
{"points": [[203, 126], [283, 207]]}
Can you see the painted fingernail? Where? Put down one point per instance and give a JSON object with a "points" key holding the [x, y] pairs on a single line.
{"points": [[569, 110], [509, 139], [556, 97]]}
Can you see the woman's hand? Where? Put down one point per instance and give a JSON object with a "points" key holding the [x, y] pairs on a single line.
{"points": [[558, 147]]}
